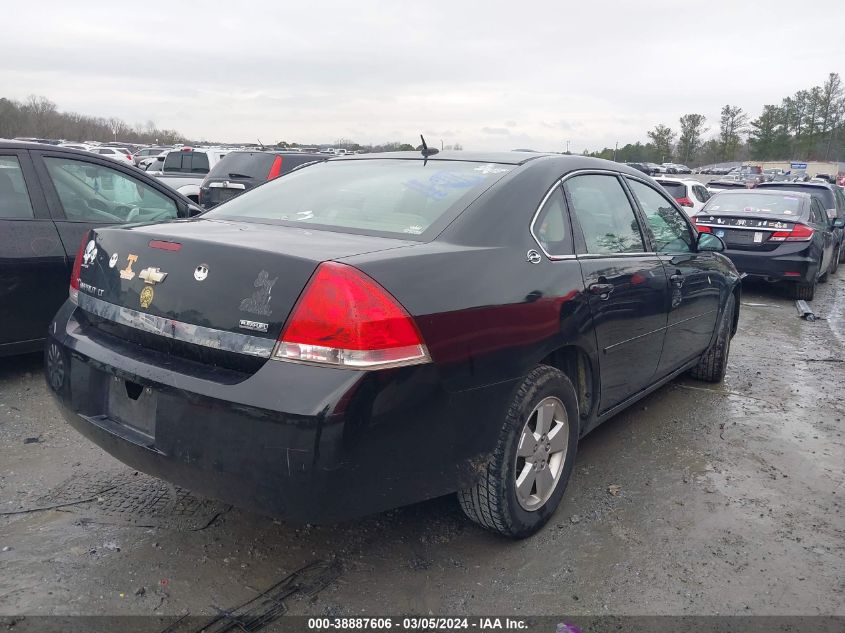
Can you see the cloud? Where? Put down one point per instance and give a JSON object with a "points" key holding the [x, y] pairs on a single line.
{"points": [[379, 70]]}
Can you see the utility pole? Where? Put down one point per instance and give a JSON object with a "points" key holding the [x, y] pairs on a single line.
{"points": [[615, 150], [441, 144], [567, 146]]}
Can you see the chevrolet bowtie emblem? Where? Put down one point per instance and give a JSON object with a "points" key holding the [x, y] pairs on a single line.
{"points": [[152, 275]]}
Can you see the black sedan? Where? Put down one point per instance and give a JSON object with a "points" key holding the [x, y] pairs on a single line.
{"points": [[374, 331], [50, 197], [775, 235]]}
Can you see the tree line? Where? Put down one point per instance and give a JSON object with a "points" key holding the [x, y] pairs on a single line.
{"points": [[809, 125], [38, 117]]}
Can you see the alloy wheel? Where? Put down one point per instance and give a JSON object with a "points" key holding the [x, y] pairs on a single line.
{"points": [[541, 453]]}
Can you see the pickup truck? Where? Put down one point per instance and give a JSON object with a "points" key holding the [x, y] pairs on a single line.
{"points": [[185, 169]]}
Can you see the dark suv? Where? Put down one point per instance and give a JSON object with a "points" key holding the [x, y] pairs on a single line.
{"points": [[239, 171]]}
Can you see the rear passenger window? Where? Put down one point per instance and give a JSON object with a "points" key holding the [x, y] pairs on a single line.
{"points": [[199, 163], [605, 215], [551, 229], [14, 197], [671, 232]]}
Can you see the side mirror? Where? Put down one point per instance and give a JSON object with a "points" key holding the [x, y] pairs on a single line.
{"points": [[709, 242], [839, 223]]}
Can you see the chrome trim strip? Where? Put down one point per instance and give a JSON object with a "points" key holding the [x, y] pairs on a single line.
{"points": [[227, 185], [746, 228], [610, 255], [186, 332]]}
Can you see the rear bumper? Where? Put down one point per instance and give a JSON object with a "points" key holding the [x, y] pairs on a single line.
{"points": [[773, 265], [299, 442]]}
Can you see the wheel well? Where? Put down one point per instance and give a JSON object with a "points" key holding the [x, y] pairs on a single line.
{"points": [[575, 363]]}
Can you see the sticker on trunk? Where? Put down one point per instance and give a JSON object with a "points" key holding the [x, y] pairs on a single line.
{"points": [[127, 273], [113, 260], [259, 302], [147, 296], [90, 254], [201, 272]]}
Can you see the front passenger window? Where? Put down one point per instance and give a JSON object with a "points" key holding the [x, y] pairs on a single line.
{"points": [[671, 231], [93, 193], [606, 217]]}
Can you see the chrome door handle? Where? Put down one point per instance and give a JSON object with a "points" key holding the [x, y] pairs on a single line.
{"points": [[603, 290]]}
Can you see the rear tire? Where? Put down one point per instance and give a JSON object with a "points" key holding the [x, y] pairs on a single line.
{"points": [[542, 417], [805, 291], [714, 362]]}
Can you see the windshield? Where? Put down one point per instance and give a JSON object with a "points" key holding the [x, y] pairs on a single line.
{"points": [[243, 165], [754, 203], [820, 193], [675, 189], [395, 197]]}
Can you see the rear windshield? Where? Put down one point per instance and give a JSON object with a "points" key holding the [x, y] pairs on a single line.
{"points": [[822, 193], [243, 165], [754, 203], [675, 189], [379, 196]]}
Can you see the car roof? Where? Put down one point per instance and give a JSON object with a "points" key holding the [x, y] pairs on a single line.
{"points": [[686, 181], [506, 158], [765, 192], [786, 184], [44, 147], [567, 162]]}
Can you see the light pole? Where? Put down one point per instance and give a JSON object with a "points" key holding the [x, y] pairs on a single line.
{"points": [[615, 150], [567, 146]]}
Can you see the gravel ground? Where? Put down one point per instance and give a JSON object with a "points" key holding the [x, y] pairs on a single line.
{"points": [[701, 499]]}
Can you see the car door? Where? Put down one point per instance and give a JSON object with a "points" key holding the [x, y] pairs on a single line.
{"points": [[84, 193], [695, 279], [627, 288], [821, 224], [34, 276]]}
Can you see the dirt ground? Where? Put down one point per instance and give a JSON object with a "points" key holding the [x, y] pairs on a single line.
{"points": [[701, 499]]}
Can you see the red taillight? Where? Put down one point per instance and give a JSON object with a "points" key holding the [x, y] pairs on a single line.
{"points": [[344, 318], [275, 168], [684, 202], [701, 229], [129, 156], [77, 269], [799, 233]]}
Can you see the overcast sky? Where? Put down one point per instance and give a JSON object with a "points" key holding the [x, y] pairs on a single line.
{"points": [[489, 75]]}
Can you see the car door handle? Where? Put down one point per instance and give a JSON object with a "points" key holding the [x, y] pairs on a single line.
{"points": [[602, 290], [677, 279]]}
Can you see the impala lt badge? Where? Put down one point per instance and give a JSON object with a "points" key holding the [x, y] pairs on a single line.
{"points": [[152, 275]]}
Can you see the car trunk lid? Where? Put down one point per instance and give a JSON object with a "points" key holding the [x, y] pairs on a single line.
{"points": [[214, 284]]}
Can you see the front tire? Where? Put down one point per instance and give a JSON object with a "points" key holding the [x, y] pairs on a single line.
{"points": [[524, 480], [714, 362]]}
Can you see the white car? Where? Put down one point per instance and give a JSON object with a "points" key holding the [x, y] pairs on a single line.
{"points": [[687, 192], [115, 153], [80, 146]]}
